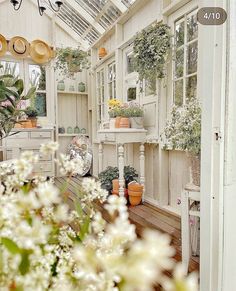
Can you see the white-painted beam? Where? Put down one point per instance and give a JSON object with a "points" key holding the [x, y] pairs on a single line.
{"points": [[86, 15], [119, 5], [84, 44]]}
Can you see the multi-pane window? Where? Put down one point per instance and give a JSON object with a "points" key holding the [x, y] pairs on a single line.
{"points": [[37, 78], [100, 96], [112, 81], [186, 56]]}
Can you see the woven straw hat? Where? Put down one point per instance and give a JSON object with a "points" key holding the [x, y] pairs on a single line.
{"points": [[19, 47], [3, 45], [40, 52]]}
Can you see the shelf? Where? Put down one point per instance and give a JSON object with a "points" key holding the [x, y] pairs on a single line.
{"points": [[70, 134], [71, 93]]}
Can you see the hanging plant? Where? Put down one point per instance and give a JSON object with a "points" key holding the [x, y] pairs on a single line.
{"points": [[151, 48], [71, 61]]}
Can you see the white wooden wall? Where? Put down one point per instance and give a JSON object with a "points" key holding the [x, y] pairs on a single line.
{"points": [[166, 172]]}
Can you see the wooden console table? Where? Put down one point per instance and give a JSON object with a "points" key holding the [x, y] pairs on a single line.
{"points": [[121, 136]]}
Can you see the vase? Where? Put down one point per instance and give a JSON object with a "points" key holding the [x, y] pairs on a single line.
{"points": [[69, 130], [112, 123], [81, 87], [61, 129], [61, 86], [124, 122], [117, 122], [194, 165], [77, 130], [136, 122], [71, 88], [83, 130]]}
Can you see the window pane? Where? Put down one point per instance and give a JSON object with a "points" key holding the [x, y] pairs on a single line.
{"points": [[114, 72], [40, 103], [178, 93], [192, 27], [131, 94], [150, 87], [191, 87], [114, 89], [130, 63], [179, 34], [11, 68], [179, 63], [192, 55], [37, 77], [110, 90], [110, 73]]}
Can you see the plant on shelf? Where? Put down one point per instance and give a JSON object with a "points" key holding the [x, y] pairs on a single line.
{"points": [[151, 49], [71, 60], [135, 113], [32, 114], [111, 173], [11, 97], [183, 132]]}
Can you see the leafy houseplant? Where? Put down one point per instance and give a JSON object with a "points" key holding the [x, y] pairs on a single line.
{"points": [[135, 113], [11, 96], [32, 114], [183, 132], [70, 61], [151, 48], [111, 173]]}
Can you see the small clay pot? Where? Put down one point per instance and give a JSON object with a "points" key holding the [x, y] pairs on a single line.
{"points": [[124, 122], [115, 185], [33, 122], [135, 197], [117, 122], [134, 186], [102, 52]]}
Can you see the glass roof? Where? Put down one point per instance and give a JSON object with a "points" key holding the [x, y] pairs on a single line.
{"points": [[89, 19]]}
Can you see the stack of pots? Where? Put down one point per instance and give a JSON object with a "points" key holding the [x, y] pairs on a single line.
{"points": [[135, 192]]}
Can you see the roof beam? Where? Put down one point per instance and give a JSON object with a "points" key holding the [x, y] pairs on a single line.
{"points": [[86, 15], [65, 27], [119, 5]]}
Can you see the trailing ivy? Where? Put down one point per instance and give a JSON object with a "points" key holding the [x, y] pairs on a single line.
{"points": [[151, 48]]}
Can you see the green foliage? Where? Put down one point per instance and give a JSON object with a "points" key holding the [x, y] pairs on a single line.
{"points": [[31, 111], [111, 173], [151, 48], [70, 61], [183, 129], [134, 110], [11, 90]]}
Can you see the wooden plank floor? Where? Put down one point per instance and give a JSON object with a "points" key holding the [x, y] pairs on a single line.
{"points": [[143, 216]]}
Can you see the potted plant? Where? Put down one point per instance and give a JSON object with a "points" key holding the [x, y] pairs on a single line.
{"points": [[11, 92], [71, 60], [32, 114], [183, 132], [135, 113], [151, 49], [111, 173], [114, 112]]}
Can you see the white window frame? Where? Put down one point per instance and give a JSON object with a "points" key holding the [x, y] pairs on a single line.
{"points": [[111, 65], [24, 75], [185, 11], [100, 101]]}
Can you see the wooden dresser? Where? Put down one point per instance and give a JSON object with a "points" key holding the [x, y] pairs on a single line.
{"points": [[30, 139]]}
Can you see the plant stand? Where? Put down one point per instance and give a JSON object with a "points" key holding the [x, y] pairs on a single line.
{"points": [[189, 242], [121, 136]]}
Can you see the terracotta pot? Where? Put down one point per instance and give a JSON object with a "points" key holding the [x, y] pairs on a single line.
{"points": [[136, 187], [124, 122], [115, 184], [117, 122], [27, 123], [135, 197], [102, 52], [33, 122]]}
